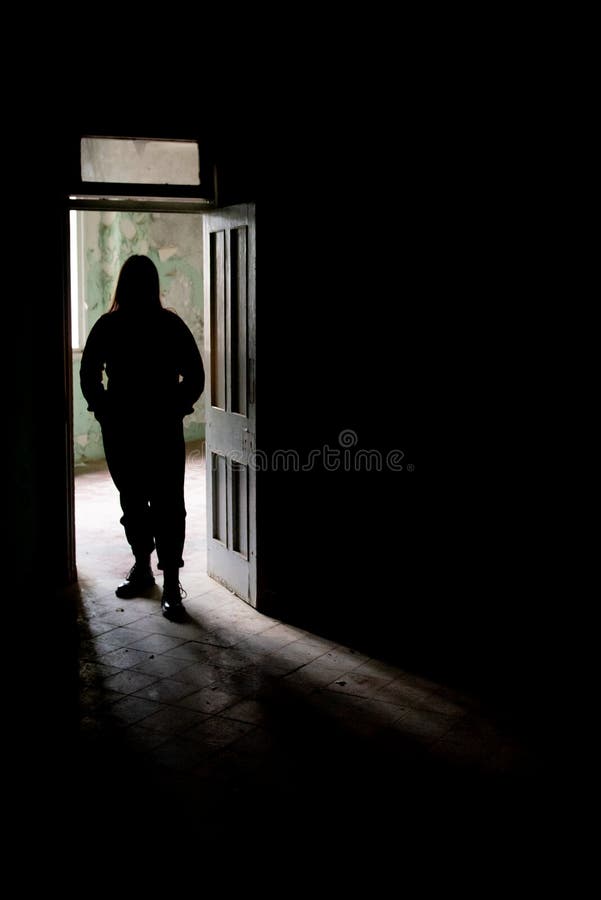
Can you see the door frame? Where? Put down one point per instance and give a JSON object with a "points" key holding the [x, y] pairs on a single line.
{"points": [[102, 204]]}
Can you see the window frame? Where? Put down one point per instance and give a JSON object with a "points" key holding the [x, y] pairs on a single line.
{"points": [[203, 192]]}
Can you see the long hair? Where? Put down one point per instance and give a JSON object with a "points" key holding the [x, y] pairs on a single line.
{"points": [[138, 288]]}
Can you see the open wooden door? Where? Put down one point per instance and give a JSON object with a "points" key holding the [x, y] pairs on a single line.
{"points": [[230, 340]]}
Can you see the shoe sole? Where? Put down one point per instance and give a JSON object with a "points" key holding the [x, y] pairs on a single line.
{"points": [[175, 613], [129, 594]]}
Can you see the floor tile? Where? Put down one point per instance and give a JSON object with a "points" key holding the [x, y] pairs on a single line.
{"points": [[191, 650], [128, 681], [218, 732], [171, 719], [209, 700], [117, 637], [157, 643], [162, 666], [131, 709], [199, 674], [251, 711], [124, 658], [359, 684], [166, 691]]}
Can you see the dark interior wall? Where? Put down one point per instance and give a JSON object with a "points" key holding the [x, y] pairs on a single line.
{"points": [[379, 313], [389, 307], [38, 387], [351, 344]]}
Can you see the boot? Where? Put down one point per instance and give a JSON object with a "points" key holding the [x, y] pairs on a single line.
{"points": [[138, 581], [171, 601]]}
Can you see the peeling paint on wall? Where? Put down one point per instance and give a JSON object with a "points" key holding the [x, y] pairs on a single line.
{"points": [[174, 243]]}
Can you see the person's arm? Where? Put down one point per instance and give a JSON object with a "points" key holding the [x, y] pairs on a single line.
{"points": [[192, 371], [90, 370]]}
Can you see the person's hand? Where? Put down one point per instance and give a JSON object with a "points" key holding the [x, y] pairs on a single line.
{"points": [[101, 409]]}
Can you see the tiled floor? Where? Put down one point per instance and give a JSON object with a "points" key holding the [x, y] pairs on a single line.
{"points": [[248, 724]]}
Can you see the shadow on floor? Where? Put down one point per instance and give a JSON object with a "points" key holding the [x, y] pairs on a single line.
{"points": [[238, 744]]}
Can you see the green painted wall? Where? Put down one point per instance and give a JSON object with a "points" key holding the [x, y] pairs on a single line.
{"points": [[174, 243]]}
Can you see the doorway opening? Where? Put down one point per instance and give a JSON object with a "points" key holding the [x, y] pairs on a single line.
{"points": [[100, 240]]}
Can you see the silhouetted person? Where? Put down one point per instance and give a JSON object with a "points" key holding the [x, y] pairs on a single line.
{"points": [[155, 375]]}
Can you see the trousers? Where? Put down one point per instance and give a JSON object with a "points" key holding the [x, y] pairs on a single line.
{"points": [[147, 465]]}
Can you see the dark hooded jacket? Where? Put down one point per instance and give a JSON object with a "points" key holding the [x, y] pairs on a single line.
{"points": [[152, 364]]}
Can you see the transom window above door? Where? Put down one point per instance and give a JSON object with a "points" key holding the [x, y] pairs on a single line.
{"points": [[139, 161]]}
